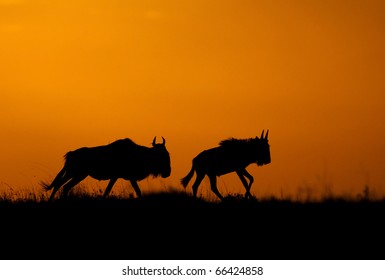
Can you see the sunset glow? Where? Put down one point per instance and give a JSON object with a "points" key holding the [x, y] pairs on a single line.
{"points": [[86, 73]]}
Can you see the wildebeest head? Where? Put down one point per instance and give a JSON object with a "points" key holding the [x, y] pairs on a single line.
{"points": [[263, 149], [161, 158]]}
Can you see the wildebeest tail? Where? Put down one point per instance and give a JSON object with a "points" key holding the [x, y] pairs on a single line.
{"points": [[58, 177], [188, 177]]}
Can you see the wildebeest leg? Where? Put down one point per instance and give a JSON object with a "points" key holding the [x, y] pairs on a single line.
{"points": [[213, 184], [72, 183], [109, 187], [136, 188], [242, 174], [197, 182]]}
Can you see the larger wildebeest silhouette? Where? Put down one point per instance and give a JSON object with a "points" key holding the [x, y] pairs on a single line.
{"points": [[232, 155], [120, 159]]}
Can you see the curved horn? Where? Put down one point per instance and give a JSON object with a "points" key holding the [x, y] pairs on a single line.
{"points": [[267, 133], [263, 131], [153, 141], [164, 141]]}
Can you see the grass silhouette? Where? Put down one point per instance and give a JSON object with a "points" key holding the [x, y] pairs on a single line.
{"points": [[174, 225]]}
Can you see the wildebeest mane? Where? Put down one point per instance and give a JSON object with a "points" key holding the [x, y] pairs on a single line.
{"points": [[241, 147], [234, 142], [125, 141]]}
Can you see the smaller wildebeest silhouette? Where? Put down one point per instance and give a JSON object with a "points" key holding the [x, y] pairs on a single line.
{"points": [[232, 155], [120, 159]]}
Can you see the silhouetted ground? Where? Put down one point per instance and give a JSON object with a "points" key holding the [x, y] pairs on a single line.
{"points": [[176, 226]]}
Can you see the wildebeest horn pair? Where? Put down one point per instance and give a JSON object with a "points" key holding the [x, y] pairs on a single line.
{"points": [[264, 137], [163, 143]]}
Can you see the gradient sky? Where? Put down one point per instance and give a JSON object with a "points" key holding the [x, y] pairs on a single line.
{"points": [[86, 73]]}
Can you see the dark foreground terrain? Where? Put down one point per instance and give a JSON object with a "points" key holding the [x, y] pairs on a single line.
{"points": [[176, 226]]}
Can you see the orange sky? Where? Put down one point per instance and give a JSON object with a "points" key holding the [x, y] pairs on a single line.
{"points": [[85, 73]]}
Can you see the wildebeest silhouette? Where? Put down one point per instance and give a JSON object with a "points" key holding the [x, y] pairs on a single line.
{"points": [[232, 155], [120, 159]]}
